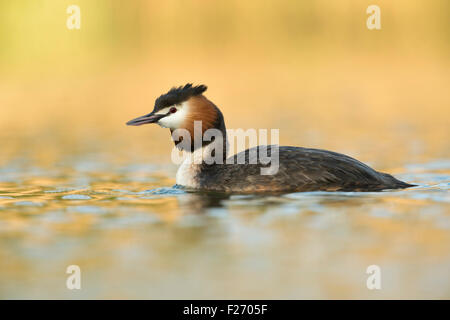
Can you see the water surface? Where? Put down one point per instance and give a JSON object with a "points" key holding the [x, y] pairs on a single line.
{"points": [[135, 236]]}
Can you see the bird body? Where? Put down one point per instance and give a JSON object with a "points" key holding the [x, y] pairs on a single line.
{"points": [[298, 169]]}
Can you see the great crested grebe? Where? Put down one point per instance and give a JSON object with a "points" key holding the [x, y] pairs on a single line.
{"points": [[299, 169]]}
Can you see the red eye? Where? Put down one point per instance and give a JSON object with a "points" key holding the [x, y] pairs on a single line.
{"points": [[173, 110]]}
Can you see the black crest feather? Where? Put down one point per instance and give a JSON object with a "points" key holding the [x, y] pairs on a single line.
{"points": [[178, 95]]}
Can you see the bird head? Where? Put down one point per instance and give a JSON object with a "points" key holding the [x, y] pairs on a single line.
{"points": [[180, 108]]}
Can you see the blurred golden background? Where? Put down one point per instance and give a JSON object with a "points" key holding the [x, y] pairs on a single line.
{"points": [[312, 69], [73, 176]]}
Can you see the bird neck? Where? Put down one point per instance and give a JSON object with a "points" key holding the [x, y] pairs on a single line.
{"points": [[206, 141], [212, 149]]}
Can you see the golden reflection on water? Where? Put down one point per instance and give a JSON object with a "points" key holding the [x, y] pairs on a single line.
{"points": [[165, 243], [79, 187]]}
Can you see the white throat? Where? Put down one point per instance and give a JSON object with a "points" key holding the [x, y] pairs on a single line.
{"points": [[187, 174]]}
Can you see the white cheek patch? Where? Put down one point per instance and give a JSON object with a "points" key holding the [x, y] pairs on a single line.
{"points": [[173, 120]]}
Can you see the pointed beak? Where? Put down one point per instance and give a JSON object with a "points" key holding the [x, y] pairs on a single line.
{"points": [[148, 118]]}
